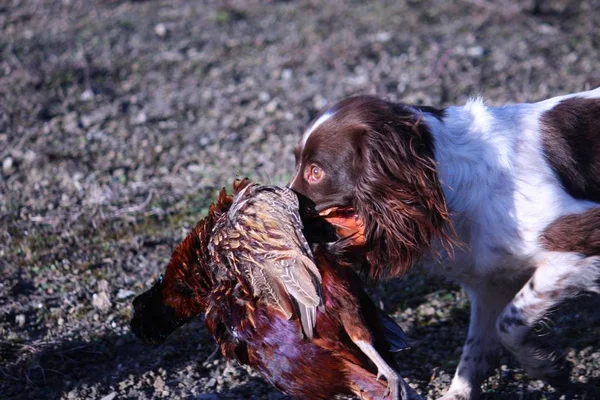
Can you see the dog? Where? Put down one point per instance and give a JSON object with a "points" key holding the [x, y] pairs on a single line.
{"points": [[503, 200]]}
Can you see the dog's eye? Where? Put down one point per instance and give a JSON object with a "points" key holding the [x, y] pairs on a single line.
{"points": [[314, 174]]}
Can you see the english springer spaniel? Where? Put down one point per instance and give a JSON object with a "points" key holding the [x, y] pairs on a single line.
{"points": [[504, 200]]}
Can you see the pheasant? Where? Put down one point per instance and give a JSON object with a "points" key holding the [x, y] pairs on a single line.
{"points": [[294, 311]]}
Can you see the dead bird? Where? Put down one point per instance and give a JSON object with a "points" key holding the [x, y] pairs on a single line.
{"points": [[301, 318]]}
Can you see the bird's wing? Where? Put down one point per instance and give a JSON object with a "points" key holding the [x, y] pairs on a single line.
{"points": [[301, 279], [269, 288]]}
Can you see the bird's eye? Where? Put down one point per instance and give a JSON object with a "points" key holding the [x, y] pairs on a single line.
{"points": [[314, 174]]}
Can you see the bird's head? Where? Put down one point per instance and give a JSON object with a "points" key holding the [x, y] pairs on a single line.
{"points": [[153, 320], [179, 294]]}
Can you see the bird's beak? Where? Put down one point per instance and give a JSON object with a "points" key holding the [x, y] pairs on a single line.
{"points": [[347, 223]]}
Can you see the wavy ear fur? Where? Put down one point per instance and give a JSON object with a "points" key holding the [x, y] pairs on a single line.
{"points": [[398, 193]]}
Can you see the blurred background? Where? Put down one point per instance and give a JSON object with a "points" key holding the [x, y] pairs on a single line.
{"points": [[119, 121]]}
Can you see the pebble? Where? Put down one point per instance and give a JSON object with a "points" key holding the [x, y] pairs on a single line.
{"points": [[264, 97], [429, 311], [8, 167], [16, 154], [195, 168], [140, 118], [20, 319], [287, 74], [103, 285], [475, 51], [101, 300], [159, 384], [161, 30], [71, 123], [125, 293], [87, 95], [271, 106], [110, 396]]}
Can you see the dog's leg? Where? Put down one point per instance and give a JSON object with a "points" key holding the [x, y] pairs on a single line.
{"points": [[480, 351], [559, 276]]}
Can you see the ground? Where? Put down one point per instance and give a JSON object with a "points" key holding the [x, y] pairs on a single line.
{"points": [[119, 121]]}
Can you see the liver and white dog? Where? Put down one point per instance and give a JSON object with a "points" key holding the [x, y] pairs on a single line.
{"points": [[504, 200]]}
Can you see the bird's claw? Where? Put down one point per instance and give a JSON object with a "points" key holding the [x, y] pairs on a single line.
{"points": [[392, 385], [392, 391]]}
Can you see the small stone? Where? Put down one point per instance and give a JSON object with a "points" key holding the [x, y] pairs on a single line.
{"points": [[16, 154], [103, 285], [264, 97], [428, 311], [101, 301], [61, 322], [8, 167], [110, 396], [20, 319], [71, 123], [383, 36], [159, 384], [475, 51], [286, 74], [161, 30], [29, 156], [124, 294], [87, 95], [140, 118], [272, 106], [195, 168], [319, 101]]}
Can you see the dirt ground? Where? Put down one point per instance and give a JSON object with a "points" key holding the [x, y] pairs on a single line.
{"points": [[119, 121]]}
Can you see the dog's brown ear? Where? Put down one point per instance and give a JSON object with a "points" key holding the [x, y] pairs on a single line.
{"points": [[398, 194]]}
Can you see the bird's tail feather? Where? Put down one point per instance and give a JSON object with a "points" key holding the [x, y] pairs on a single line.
{"points": [[393, 333]]}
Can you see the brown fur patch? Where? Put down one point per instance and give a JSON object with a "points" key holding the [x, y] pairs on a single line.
{"points": [[571, 140], [578, 233]]}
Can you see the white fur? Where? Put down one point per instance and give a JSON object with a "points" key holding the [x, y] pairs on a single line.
{"points": [[323, 118], [502, 194], [314, 126]]}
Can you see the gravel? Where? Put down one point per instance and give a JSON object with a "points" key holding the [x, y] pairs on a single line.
{"points": [[119, 121]]}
